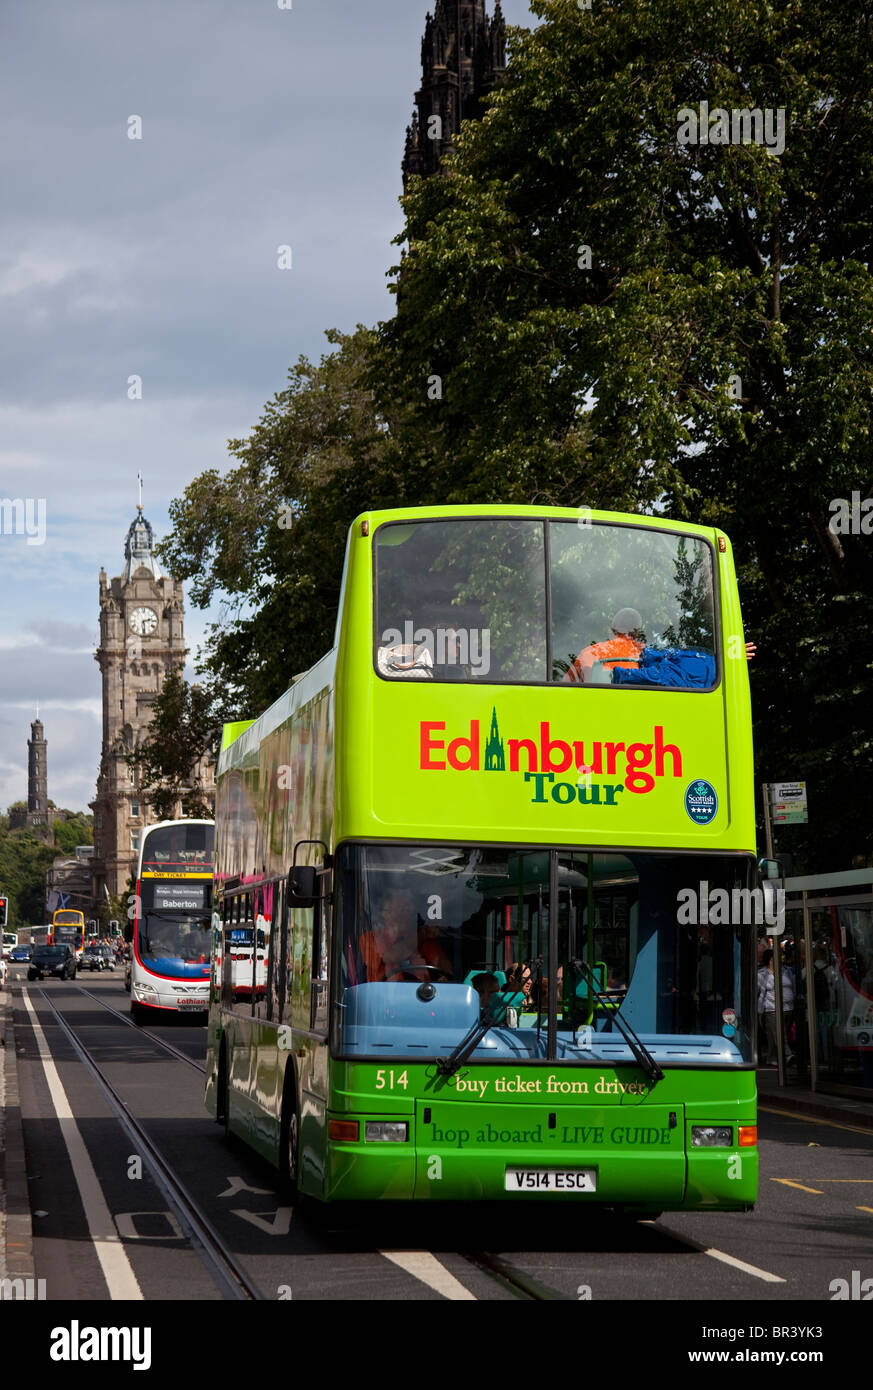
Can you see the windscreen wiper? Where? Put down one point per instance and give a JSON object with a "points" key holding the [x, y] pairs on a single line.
{"points": [[447, 1066], [642, 1054]]}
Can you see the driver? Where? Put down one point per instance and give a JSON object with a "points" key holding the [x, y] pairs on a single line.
{"points": [[393, 942]]}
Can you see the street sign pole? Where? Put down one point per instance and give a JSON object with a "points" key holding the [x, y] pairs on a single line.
{"points": [[768, 833]]}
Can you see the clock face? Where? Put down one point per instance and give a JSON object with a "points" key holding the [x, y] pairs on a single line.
{"points": [[143, 621]]}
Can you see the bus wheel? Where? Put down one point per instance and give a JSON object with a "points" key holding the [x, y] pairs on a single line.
{"points": [[289, 1141], [136, 1014]]}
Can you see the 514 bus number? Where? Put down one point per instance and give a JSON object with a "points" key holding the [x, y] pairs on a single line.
{"points": [[381, 1083]]}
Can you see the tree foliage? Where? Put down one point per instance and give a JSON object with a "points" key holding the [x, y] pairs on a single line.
{"points": [[591, 311], [182, 730], [25, 857]]}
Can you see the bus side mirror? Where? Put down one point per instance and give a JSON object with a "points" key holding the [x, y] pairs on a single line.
{"points": [[128, 931], [306, 881], [769, 868], [303, 886]]}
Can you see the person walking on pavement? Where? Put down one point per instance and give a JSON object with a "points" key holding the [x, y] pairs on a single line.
{"points": [[767, 1005]]}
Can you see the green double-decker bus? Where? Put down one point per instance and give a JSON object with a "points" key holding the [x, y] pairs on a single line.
{"points": [[484, 875]]}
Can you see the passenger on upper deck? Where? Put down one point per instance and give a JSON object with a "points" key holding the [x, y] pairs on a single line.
{"points": [[622, 649]]}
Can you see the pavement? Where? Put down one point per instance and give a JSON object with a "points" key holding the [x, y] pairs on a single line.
{"points": [[16, 1231]]}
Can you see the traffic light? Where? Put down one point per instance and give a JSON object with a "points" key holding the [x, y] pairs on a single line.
{"points": [[3, 905]]}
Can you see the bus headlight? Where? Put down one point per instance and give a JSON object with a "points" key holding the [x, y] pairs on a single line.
{"points": [[712, 1136], [394, 1131], [144, 990]]}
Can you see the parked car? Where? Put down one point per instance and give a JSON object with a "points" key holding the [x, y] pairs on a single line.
{"points": [[52, 960], [20, 954]]}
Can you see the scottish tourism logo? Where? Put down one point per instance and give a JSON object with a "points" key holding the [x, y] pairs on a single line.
{"points": [[542, 759], [701, 802]]}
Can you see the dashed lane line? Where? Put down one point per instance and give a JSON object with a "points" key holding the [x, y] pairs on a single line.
{"points": [[117, 1270], [789, 1182], [426, 1267]]}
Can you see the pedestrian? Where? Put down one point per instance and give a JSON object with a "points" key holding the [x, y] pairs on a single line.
{"points": [[767, 1006]]}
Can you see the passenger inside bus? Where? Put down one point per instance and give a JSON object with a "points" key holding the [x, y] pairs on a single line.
{"points": [[595, 662], [486, 986]]}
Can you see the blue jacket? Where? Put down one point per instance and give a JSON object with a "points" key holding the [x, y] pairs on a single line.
{"points": [[690, 667]]}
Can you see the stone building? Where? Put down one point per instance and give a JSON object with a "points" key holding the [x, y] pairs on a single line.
{"points": [[141, 639], [463, 54]]}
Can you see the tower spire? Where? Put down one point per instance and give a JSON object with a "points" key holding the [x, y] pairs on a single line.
{"points": [[463, 55], [139, 480]]}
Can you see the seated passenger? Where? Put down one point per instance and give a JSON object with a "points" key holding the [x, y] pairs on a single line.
{"points": [[486, 986], [622, 649]]}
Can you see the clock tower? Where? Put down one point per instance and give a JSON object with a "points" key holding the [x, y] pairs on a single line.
{"points": [[141, 639]]}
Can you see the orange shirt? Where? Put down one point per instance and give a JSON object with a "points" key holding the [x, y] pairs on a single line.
{"points": [[617, 651], [371, 955]]}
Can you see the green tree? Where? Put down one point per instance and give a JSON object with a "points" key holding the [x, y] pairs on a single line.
{"points": [[270, 534], [593, 310], [76, 830], [181, 731], [703, 310], [24, 859]]}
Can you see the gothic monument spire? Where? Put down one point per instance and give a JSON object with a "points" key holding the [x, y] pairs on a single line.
{"points": [[463, 54]]}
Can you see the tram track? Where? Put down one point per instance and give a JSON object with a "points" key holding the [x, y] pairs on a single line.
{"points": [[144, 1032], [229, 1275], [521, 1285]]}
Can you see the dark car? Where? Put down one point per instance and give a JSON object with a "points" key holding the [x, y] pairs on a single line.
{"points": [[21, 954], [52, 960]]}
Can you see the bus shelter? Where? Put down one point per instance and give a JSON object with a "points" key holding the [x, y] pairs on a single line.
{"points": [[827, 1033]]}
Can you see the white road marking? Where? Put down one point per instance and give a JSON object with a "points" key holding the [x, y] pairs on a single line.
{"points": [[117, 1270], [237, 1185], [426, 1267], [746, 1268], [277, 1223], [719, 1255]]}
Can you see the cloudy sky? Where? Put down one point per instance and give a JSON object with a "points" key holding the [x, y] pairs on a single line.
{"points": [[157, 258]]}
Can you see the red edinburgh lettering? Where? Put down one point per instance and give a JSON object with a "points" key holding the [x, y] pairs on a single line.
{"points": [[428, 743]]}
